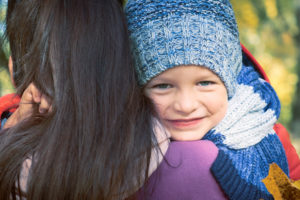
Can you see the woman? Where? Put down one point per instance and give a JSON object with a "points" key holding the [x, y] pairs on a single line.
{"points": [[99, 132]]}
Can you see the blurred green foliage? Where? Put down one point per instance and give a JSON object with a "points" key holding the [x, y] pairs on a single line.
{"points": [[5, 82]]}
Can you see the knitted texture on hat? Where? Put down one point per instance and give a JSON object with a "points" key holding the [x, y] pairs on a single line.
{"points": [[246, 140], [170, 33]]}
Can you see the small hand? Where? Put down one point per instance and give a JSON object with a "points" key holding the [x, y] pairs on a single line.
{"points": [[31, 98]]}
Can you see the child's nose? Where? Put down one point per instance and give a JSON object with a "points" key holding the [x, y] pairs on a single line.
{"points": [[186, 103]]}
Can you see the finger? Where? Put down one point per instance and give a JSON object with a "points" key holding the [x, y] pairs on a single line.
{"points": [[45, 104], [31, 95], [36, 94], [26, 108]]}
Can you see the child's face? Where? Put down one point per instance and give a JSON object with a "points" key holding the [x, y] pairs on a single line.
{"points": [[190, 100]]}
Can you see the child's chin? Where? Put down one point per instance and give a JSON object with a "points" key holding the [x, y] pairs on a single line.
{"points": [[187, 136]]}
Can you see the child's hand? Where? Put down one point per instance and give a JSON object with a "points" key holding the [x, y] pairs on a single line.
{"points": [[30, 98]]}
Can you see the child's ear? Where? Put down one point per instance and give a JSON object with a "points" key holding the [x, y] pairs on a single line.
{"points": [[11, 71]]}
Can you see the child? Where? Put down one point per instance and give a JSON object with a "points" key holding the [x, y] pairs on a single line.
{"points": [[190, 63], [89, 146]]}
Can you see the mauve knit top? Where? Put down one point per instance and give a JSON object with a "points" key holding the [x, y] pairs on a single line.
{"points": [[185, 174]]}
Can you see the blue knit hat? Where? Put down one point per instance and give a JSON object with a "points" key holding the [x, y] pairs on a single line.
{"points": [[169, 33]]}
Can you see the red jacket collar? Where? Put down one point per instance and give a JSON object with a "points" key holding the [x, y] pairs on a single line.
{"points": [[255, 63], [9, 102]]}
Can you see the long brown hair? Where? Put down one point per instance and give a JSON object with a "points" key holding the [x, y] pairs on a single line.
{"points": [[96, 143]]}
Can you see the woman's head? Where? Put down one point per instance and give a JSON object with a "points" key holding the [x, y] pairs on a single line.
{"points": [[165, 34], [77, 53], [52, 48]]}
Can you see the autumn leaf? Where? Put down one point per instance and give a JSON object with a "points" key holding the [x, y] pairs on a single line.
{"points": [[280, 186]]}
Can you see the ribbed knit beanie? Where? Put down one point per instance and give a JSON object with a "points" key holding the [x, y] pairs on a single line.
{"points": [[169, 33]]}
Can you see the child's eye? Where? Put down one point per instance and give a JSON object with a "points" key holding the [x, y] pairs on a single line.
{"points": [[205, 83], [162, 86]]}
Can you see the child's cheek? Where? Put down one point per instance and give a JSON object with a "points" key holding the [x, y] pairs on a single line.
{"points": [[221, 109], [217, 105], [224, 108]]}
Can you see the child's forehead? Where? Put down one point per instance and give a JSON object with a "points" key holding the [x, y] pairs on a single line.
{"points": [[185, 71], [199, 69]]}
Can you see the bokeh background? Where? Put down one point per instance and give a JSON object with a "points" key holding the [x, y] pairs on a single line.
{"points": [[270, 29]]}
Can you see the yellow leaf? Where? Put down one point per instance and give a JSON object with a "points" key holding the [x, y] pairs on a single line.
{"points": [[297, 184], [279, 185]]}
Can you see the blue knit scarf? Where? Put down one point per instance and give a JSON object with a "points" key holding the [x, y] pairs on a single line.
{"points": [[246, 140]]}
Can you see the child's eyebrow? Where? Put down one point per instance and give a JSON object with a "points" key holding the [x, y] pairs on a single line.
{"points": [[170, 79], [161, 79], [208, 76]]}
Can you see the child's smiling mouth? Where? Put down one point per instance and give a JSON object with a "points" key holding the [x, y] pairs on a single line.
{"points": [[185, 123]]}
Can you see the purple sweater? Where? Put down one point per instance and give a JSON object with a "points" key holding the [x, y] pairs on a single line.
{"points": [[185, 173]]}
